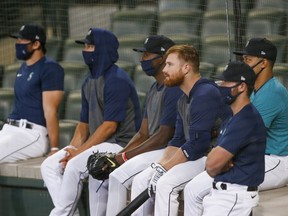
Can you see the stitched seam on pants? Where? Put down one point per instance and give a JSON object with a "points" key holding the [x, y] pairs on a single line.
{"points": [[20, 148], [273, 167], [171, 193], [233, 205], [131, 176], [75, 200]]}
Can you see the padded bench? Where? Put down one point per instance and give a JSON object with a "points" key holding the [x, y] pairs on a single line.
{"points": [[22, 190]]}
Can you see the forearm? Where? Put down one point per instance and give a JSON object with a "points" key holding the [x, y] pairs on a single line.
{"points": [[173, 157], [52, 125], [81, 134], [102, 133], [136, 141]]}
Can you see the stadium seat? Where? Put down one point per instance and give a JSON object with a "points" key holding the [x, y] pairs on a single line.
{"points": [[206, 69], [126, 44], [9, 75], [73, 105], [215, 49], [128, 67], [165, 5], [142, 99], [280, 72], [180, 21], [271, 4], [72, 52], [6, 102], [66, 132], [215, 23], [212, 5], [266, 21], [74, 75], [54, 48], [142, 81], [133, 22], [192, 40]]}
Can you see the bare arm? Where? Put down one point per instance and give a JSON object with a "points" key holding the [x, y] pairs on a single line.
{"points": [[51, 102], [219, 160], [158, 140], [172, 156], [139, 137], [102, 133]]}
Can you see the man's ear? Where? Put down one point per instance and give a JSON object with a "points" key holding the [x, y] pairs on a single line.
{"points": [[36, 45]]}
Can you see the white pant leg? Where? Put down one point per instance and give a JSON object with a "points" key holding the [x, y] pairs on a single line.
{"points": [[172, 183], [121, 179], [98, 190], [194, 192], [18, 143], [139, 184], [232, 203], [276, 172], [52, 174], [71, 185]]}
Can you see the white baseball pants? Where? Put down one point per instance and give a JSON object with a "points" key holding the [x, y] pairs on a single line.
{"points": [[276, 176], [20, 143], [168, 188], [65, 188]]}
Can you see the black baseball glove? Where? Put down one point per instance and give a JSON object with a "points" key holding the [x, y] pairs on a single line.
{"points": [[101, 164]]}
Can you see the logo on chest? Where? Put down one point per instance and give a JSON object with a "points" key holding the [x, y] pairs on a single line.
{"points": [[30, 76]]}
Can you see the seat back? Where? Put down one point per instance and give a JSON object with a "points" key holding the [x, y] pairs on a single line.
{"points": [[6, 102], [73, 105]]}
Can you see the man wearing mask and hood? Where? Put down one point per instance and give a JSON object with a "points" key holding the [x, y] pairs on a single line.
{"points": [[38, 91], [157, 128], [110, 116]]}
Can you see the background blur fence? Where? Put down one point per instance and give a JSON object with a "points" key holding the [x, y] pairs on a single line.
{"points": [[214, 27]]}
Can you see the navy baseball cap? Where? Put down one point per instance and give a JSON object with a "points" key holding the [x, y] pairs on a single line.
{"points": [[31, 32], [260, 47], [89, 39], [158, 44], [237, 71]]}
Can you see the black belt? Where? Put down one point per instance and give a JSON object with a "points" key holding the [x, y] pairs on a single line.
{"points": [[223, 186], [17, 123]]}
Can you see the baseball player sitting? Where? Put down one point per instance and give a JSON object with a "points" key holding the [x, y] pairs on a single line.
{"points": [[110, 116], [38, 91], [237, 162], [270, 98], [184, 158], [156, 130]]}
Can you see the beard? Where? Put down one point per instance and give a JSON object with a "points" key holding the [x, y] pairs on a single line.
{"points": [[176, 80]]}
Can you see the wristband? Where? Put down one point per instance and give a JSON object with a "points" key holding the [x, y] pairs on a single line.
{"points": [[54, 149], [124, 157]]}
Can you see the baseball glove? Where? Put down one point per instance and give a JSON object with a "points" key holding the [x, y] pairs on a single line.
{"points": [[101, 164]]}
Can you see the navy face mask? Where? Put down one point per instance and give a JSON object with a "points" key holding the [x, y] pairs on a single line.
{"points": [[226, 94], [147, 66], [89, 58], [21, 51]]}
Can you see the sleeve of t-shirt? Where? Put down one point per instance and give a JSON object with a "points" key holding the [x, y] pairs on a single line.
{"points": [[52, 77], [204, 112], [84, 114], [168, 115], [116, 97], [179, 137]]}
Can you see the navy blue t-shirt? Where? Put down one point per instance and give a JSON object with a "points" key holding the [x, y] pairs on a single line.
{"points": [[30, 82], [244, 135]]}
